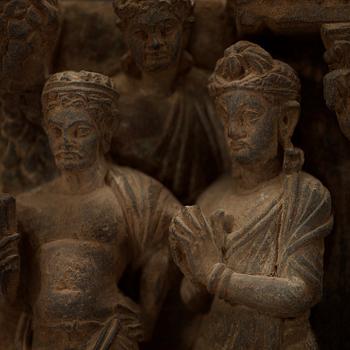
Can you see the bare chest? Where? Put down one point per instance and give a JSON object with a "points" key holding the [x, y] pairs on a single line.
{"points": [[95, 218]]}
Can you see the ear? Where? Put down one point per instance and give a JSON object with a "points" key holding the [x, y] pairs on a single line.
{"points": [[287, 123]]}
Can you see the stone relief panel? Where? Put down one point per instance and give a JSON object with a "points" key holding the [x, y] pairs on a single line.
{"points": [[168, 127]]}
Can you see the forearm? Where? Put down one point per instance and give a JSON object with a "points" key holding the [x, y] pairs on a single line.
{"points": [[280, 297], [155, 283]]}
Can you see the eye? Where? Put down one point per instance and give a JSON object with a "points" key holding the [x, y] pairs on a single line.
{"points": [[82, 131], [55, 131], [167, 30], [140, 34], [251, 116]]}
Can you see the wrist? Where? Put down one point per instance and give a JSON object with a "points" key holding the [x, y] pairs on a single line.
{"points": [[214, 277]]}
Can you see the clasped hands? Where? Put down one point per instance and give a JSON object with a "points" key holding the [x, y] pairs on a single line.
{"points": [[198, 243]]}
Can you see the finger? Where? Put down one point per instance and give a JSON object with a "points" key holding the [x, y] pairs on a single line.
{"points": [[179, 258], [222, 221], [189, 217], [228, 223], [197, 217], [179, 227], [217, 221], [8, 239]]}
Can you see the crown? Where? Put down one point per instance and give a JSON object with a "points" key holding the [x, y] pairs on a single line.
{"points": [[83, 81]]}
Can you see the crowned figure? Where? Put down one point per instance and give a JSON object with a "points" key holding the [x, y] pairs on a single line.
{"points": [[80, 232]]}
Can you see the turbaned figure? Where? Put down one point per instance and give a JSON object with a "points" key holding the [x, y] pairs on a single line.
{"points": [[255, 242]]}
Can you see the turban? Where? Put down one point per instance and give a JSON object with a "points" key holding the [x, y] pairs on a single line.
{"points": [[247, 66]]}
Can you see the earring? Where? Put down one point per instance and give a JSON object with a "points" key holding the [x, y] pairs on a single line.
{"points": [[293, 160]]}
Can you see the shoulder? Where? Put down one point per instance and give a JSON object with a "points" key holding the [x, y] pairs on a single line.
{"points": [[312, 188], [214, 192], [36, 195], [124, 84], [137, 184], [132, 175], [197, 79], [31, 203]]}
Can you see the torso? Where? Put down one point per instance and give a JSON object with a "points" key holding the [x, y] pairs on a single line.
{"points": [[78, 251]]}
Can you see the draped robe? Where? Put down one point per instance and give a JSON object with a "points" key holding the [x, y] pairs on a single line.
{"points": [[283, 242], [176, 139]]}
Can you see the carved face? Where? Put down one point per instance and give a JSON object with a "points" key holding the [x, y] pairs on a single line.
{"points": [[342, 110], [155, 40], [74, 138], [251, 126]]}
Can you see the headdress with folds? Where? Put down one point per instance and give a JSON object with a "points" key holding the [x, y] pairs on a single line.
{"points": [[127, 9], [247, 66]]}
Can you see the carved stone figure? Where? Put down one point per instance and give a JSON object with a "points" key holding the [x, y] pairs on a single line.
{"points": [[29, 31], [336, 38], [168, 126], [255, 242], [82, 230]]}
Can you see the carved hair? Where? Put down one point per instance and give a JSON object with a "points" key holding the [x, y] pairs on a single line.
{"points": [[248, 66], [22, 20], [92, 92], [128, 9]]}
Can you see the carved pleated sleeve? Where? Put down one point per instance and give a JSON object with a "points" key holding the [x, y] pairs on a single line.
{"points": [[148, 208]]}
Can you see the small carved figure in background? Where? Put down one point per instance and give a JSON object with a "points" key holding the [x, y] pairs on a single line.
{"points": [[81, 231], [29, 32], [336, 37], [261, 256], [168, 126]]}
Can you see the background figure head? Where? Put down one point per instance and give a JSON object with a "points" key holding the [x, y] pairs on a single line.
{"points": [[257, 98], [80, 116], [29, 32], [155, 31]]}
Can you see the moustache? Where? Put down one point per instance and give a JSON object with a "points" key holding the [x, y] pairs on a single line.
{"points": [[68, 154]]}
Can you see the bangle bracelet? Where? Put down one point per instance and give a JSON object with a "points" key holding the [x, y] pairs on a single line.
{"points": [[214, 275]]}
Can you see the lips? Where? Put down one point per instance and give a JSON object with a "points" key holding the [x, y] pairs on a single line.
{"points": [[156, 55], [237, 145], [68, 155]]}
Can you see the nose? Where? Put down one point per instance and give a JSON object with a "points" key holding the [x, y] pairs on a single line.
{"points": [[66, 142], [154, 42], [236, 129]]}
